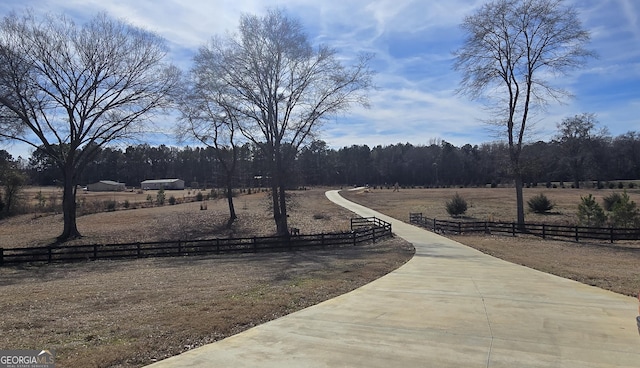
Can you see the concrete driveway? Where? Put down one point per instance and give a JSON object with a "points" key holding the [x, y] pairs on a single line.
{"points": [[449, 306]]}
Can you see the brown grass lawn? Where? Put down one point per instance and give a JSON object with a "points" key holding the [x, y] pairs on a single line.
{"points": [[131, 313], [615, 267]]}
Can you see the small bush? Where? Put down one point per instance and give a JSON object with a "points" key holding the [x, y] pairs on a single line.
{"points": [[625, 213], [110, 205], [172, 200], [620, 185], [590, 213], [632, 185], [457, 206], [612, 185], [160, 197], [609, 201], [199, 197], [126, 203], [540, 204]]}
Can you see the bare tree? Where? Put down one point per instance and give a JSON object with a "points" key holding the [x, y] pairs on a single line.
{"points": [[512, 51], [281, 89], [208, 118], [72, 89]]}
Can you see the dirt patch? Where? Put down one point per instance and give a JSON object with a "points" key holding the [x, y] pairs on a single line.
{"points": [[134, 312], [609, 266]]}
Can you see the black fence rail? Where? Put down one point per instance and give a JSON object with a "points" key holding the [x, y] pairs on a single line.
{"points": [[576, 233], [363, 230]]}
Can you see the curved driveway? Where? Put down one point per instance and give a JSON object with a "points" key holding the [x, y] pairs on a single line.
{"points": [[449, 306]]}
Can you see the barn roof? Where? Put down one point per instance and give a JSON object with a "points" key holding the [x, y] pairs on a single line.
{"points": [[108, 182], [160, 181]]}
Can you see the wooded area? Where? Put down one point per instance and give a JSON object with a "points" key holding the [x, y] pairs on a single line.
{"points": [[601, 159]]}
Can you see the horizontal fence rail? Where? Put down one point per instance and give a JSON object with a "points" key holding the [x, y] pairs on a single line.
{"points": [[362, 230], [576, 233]]}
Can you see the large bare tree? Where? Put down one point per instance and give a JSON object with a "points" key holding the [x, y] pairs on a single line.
{"points": [[71, 89], [280, 89], [207, 117], [513, 51]]}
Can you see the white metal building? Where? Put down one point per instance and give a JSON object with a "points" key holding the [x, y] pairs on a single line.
{"points": [[162, 183], [106, 186]]}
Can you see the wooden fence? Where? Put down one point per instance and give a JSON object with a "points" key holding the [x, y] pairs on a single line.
{"points": [[363, 230], [576, 233]]}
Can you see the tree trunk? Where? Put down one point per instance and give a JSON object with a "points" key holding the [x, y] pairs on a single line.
{"points": [[519, 200], [232, 209], [70, 230], [283, 224]]}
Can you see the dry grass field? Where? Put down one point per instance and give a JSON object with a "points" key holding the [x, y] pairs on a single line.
{"points": [[615, 267], [133, 312]]}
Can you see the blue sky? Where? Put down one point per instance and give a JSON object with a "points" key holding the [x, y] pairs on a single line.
{"points": [[413, 42]]}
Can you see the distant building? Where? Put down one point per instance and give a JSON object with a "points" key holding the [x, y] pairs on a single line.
{"points": [[162, 184], [106, 186]]}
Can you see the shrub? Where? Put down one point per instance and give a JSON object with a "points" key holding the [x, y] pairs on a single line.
{"points": [[612, 185], [625, 213], [172, 200], [590, 213], [610, 201], [160, 197], [456, 206], [540, 204], [110, 205], [126, 203], [632, 185], [620, 185], [199, 197]]}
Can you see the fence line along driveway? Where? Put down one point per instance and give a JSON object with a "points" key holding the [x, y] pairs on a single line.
{"points": [[362, 230], [576, 233]]}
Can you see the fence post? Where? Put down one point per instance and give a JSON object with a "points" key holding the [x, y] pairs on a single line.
{"points": [[459, 228], [611, 232], [544, 232], [374, 234], [322, 239], [486, 228], [1, 256], [513, 228], [179, 248], [138, 249], [577, 238], [255, 244], [354, 237], [217, 245], [49, 255], [434, 224], [95, 252]]}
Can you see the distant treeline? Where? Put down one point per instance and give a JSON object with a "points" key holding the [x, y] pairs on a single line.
{"points": [[440, 163]]}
